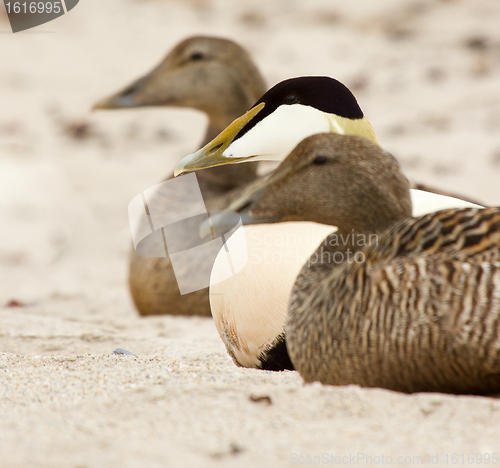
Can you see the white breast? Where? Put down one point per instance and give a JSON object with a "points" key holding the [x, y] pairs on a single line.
{"points": [[249, 308]]}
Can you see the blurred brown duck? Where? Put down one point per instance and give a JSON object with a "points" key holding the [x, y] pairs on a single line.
{"points": [[408, 304], [217, 77]]}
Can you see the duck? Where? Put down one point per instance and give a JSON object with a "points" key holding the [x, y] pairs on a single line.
{"points": [[219, 78], [410, 304], [249, 308]]}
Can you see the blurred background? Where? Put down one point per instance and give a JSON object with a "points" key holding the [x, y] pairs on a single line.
{"points": [[425, 72]]}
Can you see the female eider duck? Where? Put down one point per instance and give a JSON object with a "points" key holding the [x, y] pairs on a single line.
{"points": [[217, 77], [249, 308], [407, 304]]}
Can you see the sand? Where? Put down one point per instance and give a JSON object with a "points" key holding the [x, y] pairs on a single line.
{"points": [[427, 75]]}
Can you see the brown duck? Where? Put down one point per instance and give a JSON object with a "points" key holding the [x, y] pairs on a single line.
{"points": [[407, 304], [215, 76]]}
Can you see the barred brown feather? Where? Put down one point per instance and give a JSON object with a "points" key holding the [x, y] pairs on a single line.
{"points": [[421, 313]]}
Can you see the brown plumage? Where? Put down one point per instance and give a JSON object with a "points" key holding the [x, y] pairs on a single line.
{"points": [[215, 76], [408, 304]]}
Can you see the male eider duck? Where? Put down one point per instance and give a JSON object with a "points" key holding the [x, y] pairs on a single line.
{"points": [[407, 304], [249, 309], [217, 77]]}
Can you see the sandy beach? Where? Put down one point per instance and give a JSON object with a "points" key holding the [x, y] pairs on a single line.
{"points": [[427, 75]]}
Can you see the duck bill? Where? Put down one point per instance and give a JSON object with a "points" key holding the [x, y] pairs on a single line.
{"points": [[114, 102], [223, 221], [126, 98], [212, 154]]}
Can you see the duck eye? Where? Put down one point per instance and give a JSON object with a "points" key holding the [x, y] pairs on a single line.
{"points": [[291, 99], [196, 56], [320, 160]]}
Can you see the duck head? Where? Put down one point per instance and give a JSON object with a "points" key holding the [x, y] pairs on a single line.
{"points": [[202, 73], [286, 114], [345, 181]]}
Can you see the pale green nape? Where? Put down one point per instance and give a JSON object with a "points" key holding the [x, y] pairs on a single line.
{"points": [[355, 127]]}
